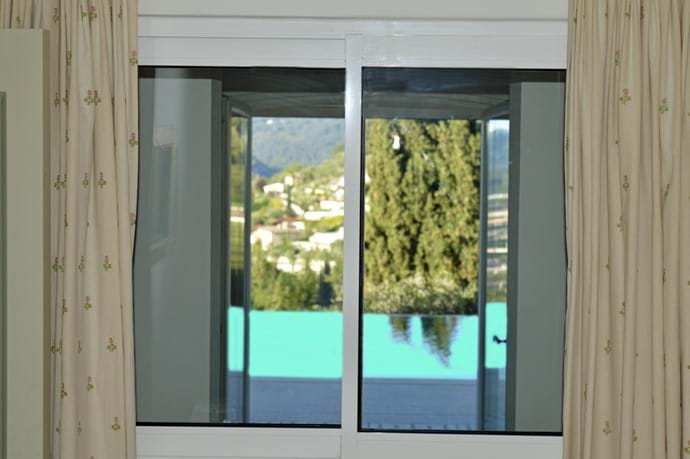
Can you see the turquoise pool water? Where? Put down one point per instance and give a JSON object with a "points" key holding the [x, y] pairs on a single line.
{"points": [[308, 344]]}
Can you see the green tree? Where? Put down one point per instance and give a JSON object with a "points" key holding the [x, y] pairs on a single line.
{"points": [[263, 278], [386, 239], [450, 237], [334, 277], [273, 289], [422, 227]]}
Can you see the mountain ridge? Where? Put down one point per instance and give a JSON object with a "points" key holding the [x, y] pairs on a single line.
{"points": [[275, 145]]}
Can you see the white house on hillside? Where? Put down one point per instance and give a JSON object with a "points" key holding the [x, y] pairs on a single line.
{"points": [[269, 235], [297, 209], [274, 188], [326, 240], [329, 204], [314, 215], [284, 264]]}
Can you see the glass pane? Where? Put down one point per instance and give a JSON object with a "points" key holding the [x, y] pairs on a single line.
{"points": [[435, 341], [238, 310], [295, 357]]}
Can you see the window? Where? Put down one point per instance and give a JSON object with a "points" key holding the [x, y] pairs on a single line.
{"points": [[504, 340], [240, 258], [435, 299], [238, 262]]}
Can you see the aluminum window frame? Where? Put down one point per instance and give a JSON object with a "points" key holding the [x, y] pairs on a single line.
{"points": [[219, 41]]}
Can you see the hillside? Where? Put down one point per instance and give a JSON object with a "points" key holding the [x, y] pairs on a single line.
{"points": [[280, 142]]}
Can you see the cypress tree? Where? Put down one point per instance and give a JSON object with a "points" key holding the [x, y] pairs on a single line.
{"points": [[422, 226], [386, 240]]}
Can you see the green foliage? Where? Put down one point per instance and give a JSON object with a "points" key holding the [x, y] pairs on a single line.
{"points": [[422, 228], [266, 210], [417, 296], [331, 167], [277, 290], [334, 276], [325, 225], [238, 157], [236, 245]]}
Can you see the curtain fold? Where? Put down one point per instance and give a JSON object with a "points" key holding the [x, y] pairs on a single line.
{"points": [[19, 14], [627, 175], [94, 160]]}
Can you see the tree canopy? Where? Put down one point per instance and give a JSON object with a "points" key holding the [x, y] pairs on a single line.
{"points": [[422, 224]]}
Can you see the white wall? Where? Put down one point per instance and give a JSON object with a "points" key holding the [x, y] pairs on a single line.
{"points": [[172, 263], [365, 9], [24, 80], [537, 289]]}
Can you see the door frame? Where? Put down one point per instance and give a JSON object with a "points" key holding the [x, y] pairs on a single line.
{"points": [[495, 112], [232, 108]]}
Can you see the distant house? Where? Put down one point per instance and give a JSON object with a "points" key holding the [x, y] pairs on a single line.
{"points": [[274, 188], [297, 209], [270, 235], [317, 265], [324, 241], [328, 204], [303, 245], [284, 264], [264, 236]]}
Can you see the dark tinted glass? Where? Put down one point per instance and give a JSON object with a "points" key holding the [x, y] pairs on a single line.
{"points": [[238, 284], [457, 332]]}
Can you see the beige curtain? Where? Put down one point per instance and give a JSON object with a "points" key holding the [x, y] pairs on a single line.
{"points": [[19, 14], [628, 229], [94, 159]]}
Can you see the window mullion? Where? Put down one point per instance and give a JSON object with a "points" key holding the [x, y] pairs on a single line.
{"points": [[352, 245]]}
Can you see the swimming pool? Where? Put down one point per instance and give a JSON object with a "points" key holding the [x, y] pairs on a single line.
{"points": [[308, 344]]}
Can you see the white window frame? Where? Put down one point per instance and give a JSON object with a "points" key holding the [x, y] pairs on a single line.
{"points": [[175, 40]]}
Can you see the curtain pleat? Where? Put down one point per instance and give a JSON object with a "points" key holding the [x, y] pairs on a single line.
{"points": [[628, 214], [94, 160], [17, 14]]}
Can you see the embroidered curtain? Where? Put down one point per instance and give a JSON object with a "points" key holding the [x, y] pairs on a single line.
{"points": [[94, 160], [628, 229]]}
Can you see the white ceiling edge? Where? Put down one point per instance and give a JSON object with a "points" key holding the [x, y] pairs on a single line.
{"points": [[364, 9]]}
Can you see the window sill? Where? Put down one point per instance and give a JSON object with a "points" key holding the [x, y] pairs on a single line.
{"points": [[243, 442], [284, 443]]}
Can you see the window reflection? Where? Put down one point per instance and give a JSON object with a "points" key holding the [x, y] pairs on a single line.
{"points": [[238, 313], [435, 305]]}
